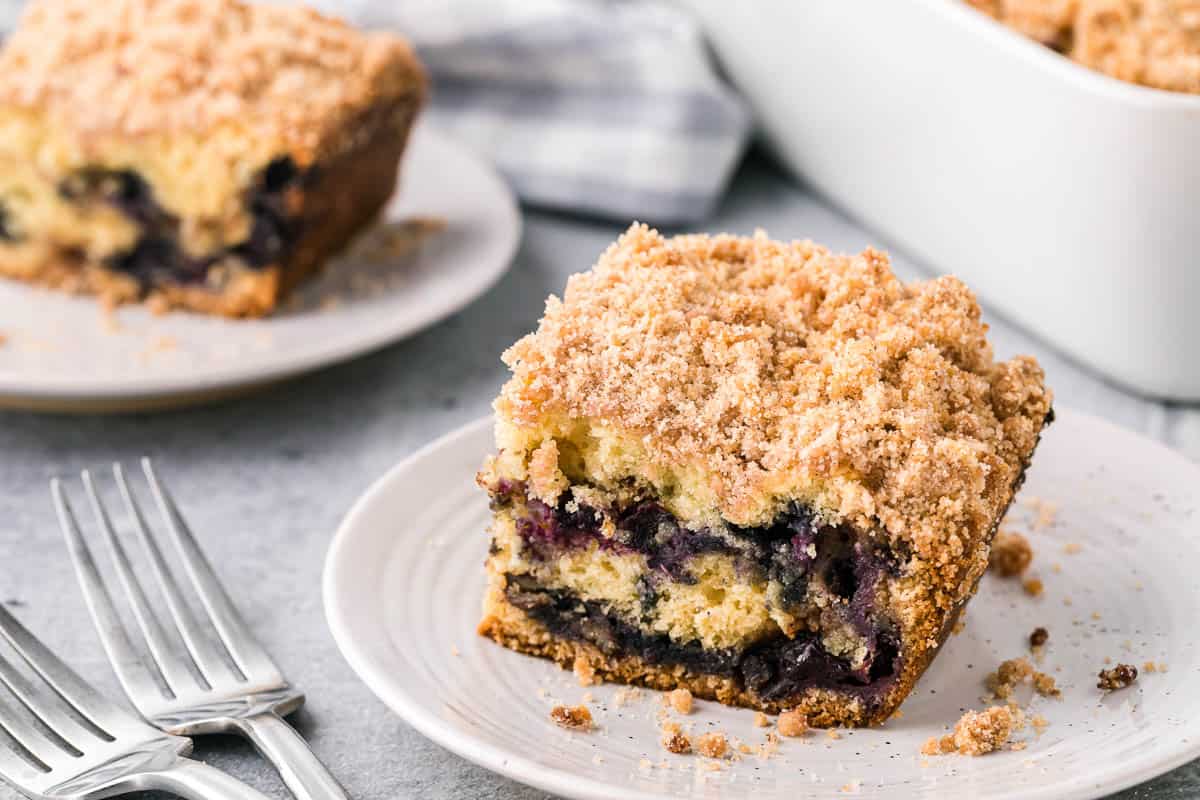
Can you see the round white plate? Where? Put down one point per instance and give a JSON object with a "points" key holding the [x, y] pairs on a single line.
{"points": [[62, 351], [1118, 558]]}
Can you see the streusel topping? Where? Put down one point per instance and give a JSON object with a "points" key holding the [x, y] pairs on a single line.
{"points": [[141, 66], [770, 365], [1151, 42]]}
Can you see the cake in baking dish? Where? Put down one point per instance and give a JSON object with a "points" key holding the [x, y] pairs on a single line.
{"points": [[208, 154], [757, 470], [1152, 42]]}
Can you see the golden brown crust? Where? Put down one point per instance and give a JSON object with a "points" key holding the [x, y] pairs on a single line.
{"points": [[137, 67], [1152, 42]]}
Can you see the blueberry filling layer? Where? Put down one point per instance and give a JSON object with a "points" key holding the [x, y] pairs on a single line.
{"points": [[773, 671], [791, 551], [158, 256]]}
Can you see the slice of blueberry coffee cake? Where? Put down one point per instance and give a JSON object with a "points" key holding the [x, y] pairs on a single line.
{"points": [[208, 154], [759, 471]]}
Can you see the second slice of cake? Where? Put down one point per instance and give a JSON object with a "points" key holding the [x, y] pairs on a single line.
{"points": [[757, 470], [208, 154]]}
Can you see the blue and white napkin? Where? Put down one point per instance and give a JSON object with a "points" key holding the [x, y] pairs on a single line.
{"points": [[596, 106]]}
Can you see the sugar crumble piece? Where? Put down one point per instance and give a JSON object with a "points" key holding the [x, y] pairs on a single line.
{"points": [[1072, 548], [577, 718], [585, 673], [1045, 685], [1039, 723], [1033, 587], [1011, 554], [454, 651], [1149, 666], [792, 723], [1039, 637], [645, 763], [681, 700], [675, 740], [1007, 676], [1119, 677], [976, 733], [761, 720], [1044, 510], [3, 340], [587, 697], [833, 734], [712, 745]]}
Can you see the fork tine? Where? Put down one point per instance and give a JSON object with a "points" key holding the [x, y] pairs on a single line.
{"points": [[15, 768], [203, 651], [25, 734], [161, 650], [50, 712], [245, 649], [89, 703], [130, 669]]}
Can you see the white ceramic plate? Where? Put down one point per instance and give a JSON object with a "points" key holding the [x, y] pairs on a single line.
{"points": [[404, 578], [61, 351]]}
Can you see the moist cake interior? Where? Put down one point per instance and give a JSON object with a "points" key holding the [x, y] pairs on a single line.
{"points": [[783, 607]]}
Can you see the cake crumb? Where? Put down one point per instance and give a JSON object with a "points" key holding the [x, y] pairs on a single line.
{"points": [[897, 714], [1033, 587], [745, 748], [1071, 548], [1045, 685], [976, 733], [627, 695], [574, 718], [1011, 554], [833, 734], [1007, 676], [646, 763], [3, 340], [676, 741], [584, 672], [587, 697], [761, 720], [793, 723], [454, 651], [1039, 723], [681, 700], [1149, 666], [712, 745], [1039, 637], [1119, 677], [960, 625]]}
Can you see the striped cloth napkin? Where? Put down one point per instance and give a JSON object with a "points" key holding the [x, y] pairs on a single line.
{"points": [[605, 107]]}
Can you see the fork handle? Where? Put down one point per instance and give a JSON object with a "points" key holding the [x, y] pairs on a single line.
{"points": [[197, 781], [304, 775]]}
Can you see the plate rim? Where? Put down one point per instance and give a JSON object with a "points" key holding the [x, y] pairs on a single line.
{"points": [[512, 765], [15, 387]]}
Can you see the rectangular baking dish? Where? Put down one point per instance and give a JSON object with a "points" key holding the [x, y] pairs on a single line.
{"points": [[1068, 200]]}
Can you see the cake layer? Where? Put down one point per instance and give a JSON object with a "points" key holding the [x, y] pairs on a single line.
{"points": [[778, 675]]}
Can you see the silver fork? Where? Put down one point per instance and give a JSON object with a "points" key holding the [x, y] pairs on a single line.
{"points": [[229, 685], [68, 742]]}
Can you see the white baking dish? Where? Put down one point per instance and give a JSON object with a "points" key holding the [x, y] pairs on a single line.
{"points": [[1068, 200]]}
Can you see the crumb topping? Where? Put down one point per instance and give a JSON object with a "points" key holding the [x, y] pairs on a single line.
{"points": [[680, 700], [1011, 554], [768, 366], [712, 745], [1039, 637], [1033, 587], [977, 733], [1152, 42], [675, 740], [1119, 677], [792, 723], [577, 718], [141, 66]]}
